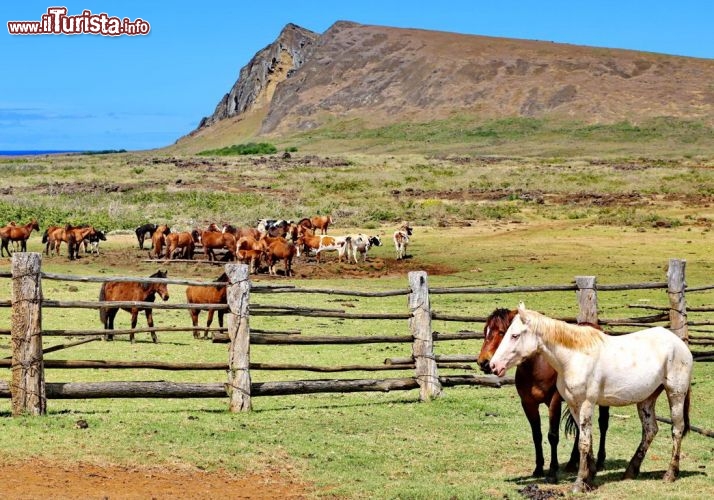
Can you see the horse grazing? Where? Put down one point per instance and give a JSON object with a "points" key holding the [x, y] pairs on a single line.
{"points": [[196, 294], [535, 384], [131, 291], [279, 249], [92, 241], [144, 231], [180, 245], [213, 240], [13, 232], [74, 236], [250, 250], [158, 240], [321, 222], [594, 368]]}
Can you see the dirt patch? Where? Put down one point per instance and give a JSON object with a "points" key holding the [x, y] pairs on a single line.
{"points": [[43, 479], [303, 268]]}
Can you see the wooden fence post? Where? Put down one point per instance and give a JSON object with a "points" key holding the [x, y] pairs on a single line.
{"points": [[423, 346], [238, 297], [28, 373], [587, 299], [676, 286]]}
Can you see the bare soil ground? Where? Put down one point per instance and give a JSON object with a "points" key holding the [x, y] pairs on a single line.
{"points": [[34, 479], [130, 257]]}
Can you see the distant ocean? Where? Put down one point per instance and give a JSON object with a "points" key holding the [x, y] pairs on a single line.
{"points": [[35, 152]]}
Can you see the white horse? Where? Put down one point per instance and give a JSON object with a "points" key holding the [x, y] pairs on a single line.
{"points": [[597, 369]]}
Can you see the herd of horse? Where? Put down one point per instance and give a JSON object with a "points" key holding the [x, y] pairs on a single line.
{"points": [[270, 242], [556, 361]]}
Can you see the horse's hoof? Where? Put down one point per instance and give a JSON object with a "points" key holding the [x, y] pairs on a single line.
{"points": [[538, 472], [581, 487], [670, 476], [629, 474], [551, 479]]}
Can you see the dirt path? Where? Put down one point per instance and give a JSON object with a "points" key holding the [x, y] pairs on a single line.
{"points": [[35, 479]]}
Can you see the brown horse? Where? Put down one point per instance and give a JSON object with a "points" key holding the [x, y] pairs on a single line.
{"points": [[13, 232], [72, 235], [180, 245], [251, 251], [280, 249], [321, 222], [131, 291], [535, 383], [196, 294], [216, 240], [158, 240]]}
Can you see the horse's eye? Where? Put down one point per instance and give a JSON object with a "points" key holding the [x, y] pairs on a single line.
{"points": [[515, 336]]}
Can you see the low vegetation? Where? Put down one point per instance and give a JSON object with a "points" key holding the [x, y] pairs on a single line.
{"points": [[251, 148], [480, 220]]}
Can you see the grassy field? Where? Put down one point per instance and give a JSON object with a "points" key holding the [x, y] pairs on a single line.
{"points": [[479, 221]]}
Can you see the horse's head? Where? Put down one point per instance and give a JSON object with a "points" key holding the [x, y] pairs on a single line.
{"points": [[493, 331], [161, 288], [519, 343], [375, 241], [35, 225]]}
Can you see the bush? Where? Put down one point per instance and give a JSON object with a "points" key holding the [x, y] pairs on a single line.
{"points": [[250, 148]]}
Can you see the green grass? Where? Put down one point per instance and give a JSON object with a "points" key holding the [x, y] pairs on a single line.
{"points": [[463, 133], [250, 148], [472, 443], [527, 219]]}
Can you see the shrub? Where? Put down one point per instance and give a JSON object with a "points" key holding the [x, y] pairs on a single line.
{"points": [[250, 148]]}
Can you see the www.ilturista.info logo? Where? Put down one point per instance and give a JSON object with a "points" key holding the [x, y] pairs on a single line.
{"points": [[57, 22]]}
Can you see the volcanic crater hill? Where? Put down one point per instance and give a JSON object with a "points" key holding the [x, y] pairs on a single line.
{"points": [[381, 75]]}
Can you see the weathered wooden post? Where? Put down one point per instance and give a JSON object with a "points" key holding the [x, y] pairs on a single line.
{"points": [[423, 346], [676, 286], [587, 299], [238, 297], [28, 372]]}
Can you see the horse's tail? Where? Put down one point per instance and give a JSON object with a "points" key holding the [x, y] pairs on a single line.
{"points": [[103, 310], [45, 236], [571, 426], [687, 426]]}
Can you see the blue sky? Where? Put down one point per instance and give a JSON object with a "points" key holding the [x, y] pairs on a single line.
{"points": [[95, 92]]}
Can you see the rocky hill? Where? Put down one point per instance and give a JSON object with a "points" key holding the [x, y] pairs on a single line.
{"points": [[382, 75]]}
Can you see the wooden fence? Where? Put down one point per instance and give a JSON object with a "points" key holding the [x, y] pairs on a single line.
{"points": [[29, 391]]}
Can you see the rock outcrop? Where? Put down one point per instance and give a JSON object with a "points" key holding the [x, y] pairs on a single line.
{"points": [[258, 80], [378, 75]]}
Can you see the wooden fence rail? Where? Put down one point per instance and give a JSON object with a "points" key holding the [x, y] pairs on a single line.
{"points": [[29, 391]]}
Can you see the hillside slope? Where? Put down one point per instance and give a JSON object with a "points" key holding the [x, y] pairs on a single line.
{"points": [[378, 76]]}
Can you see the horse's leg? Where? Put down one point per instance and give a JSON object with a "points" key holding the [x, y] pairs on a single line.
{"points": [[194, 321], [109, 325], [603, 421], [678, 406], [531, 410], [134, 315], [220, 318], [208, 323], [586, 470], [150, 322], [554, 435], [646, 411]]}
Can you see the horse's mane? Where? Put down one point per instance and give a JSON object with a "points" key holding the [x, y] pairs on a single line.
{"points": [[500, 319], [578, 337], [157, 274]]}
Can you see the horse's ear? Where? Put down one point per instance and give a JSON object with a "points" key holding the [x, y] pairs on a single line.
{"points": [[522, 312]]}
